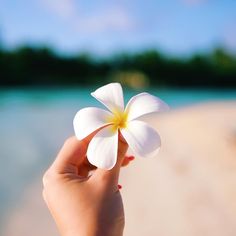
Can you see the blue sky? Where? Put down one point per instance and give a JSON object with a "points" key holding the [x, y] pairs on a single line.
{"points": [[104, 27]]}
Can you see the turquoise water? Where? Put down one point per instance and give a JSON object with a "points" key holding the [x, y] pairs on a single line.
{"points": [[34, 124], [81, 97]]}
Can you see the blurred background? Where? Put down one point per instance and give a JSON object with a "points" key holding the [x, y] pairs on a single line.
{"points": [[53, 54]]}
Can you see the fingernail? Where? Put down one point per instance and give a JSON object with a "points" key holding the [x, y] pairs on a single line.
{"points": [[119, 186], [131, 158]]}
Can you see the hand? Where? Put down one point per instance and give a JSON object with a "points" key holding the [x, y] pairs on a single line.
{"points": [[83, 205]]}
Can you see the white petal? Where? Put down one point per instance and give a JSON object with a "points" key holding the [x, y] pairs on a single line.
{"points": [[144, 103], [110, 95], [102, 150], [88, 120], [143, 140]]}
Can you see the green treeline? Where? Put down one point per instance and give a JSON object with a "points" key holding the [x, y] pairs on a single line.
{"points": [[28, 66]]}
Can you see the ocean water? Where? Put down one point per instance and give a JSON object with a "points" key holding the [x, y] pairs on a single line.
{"points": [[81, 96], [34, 124]]}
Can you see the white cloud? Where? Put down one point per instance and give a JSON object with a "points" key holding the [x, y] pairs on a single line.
{"points": [[109, 20], [61, 8]]}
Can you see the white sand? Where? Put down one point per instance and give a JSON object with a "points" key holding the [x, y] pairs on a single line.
{"points": [[188, 189]]}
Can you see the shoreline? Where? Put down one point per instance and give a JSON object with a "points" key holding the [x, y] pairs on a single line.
{"points": [[188, 189]]}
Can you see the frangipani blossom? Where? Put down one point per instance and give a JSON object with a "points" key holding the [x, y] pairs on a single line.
{"points": [[142, 139]]}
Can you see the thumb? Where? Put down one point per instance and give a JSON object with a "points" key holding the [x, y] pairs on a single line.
{"points": [[72, 155], [111, 177]]}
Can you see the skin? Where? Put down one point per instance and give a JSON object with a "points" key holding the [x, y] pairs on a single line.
{"points": [[81, 204]]}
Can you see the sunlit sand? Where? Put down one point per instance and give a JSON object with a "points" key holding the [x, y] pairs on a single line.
{"points": [[188, 189]]}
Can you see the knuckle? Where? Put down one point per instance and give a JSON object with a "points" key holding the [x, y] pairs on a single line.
{"points": [[44, 195], [47, 177], [69, 140], [51, 177]]}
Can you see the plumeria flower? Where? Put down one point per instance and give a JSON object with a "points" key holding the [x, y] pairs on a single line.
{"points": [[142, 139]]}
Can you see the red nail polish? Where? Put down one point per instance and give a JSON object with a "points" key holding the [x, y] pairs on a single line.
{"points": [[131, 158], [119, 186]]}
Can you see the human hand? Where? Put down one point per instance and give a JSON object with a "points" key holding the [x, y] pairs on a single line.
{"points": [[80, 204]]}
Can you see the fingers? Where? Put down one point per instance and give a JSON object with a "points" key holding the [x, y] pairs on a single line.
{"points": [[86, 167], [72, 158], [71, 155], [110, 177]]}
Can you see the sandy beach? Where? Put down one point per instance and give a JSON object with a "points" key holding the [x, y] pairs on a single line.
{"points": [[188, 189]]}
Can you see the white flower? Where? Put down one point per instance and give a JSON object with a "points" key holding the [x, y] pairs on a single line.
{"points": [[143, 140]]}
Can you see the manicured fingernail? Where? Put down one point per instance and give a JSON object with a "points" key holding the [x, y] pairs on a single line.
{"points": [[119, 186], [131, 158]]}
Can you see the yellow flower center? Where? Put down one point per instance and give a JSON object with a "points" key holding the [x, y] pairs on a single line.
{"points": [[118, 120]]}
